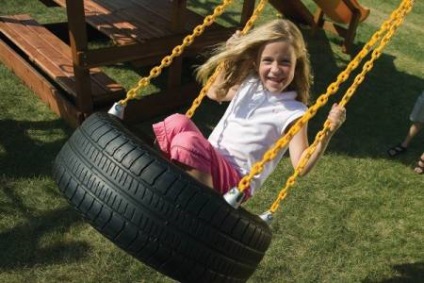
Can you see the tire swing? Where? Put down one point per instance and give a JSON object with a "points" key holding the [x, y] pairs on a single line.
{"points": [[154, 211], [149, 207]]}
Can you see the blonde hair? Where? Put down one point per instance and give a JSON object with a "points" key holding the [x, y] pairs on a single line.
{"points": [[241, 57]]}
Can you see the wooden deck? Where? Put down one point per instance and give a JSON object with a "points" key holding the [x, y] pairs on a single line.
{"points": [[134, 21]]}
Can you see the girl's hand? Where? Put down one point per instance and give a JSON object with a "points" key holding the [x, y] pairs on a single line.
{"points": [[234, 37], [337, 116]]}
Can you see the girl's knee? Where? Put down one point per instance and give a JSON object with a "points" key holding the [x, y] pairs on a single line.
{"points": [[191, 149], [179, 123], [190, 140]]}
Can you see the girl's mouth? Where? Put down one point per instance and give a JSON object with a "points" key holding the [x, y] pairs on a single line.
{"points": [[275, 80]]}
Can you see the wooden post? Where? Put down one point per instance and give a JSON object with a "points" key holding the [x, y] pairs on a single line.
{"points": [[351, 29], [178, 21], [78, 41], [247, 11], [179, 8]]}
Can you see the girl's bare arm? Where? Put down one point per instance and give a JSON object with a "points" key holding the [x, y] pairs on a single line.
{"points": [[299, 144]]}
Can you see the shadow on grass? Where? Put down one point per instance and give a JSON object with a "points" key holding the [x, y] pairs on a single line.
{"points": [[29, 146], [29, 152], [378, 112], [407, 273], [22, 246]]}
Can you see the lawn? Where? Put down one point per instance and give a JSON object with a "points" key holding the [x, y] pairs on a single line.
{"points": [[358, 217]]}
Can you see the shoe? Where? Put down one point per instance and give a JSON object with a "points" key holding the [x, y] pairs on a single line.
{"points": [[419, 169], [396, 150]]}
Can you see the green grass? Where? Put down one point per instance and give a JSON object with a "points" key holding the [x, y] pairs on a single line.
{"points": [[356, 218]]}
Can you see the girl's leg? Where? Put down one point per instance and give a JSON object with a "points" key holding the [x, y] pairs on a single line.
{"points": [[412, 132], [202, 161], [166, 130], [183, 143], [202, 177], [402, 147]]}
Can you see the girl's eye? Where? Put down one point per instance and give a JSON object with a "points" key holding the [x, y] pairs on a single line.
{"points": [[285, 62], [266, 60]]}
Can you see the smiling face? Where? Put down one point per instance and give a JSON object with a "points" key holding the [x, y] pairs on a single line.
{"points": [[276, 65]]}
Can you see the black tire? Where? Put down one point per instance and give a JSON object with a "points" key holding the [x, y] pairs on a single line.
{"points": [[153, 210]]}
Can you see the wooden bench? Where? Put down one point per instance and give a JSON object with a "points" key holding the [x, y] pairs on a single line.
{"points": [[341, 17], [53, 56]]}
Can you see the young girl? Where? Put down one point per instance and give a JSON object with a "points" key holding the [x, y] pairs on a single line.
{"points": [[266, 76]]}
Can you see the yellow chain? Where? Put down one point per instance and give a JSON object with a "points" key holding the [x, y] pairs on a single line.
{"points": [[177, 51], [249, 24], [388, 28]]}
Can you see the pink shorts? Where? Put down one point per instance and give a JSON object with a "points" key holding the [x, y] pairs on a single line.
{"points": [[181, 141]]}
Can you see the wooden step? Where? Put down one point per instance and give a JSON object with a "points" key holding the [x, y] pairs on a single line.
{"points": [[53, 57], [43, 88]]}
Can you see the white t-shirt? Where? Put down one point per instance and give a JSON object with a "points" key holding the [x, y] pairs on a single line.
{"points": [[254, 120]]}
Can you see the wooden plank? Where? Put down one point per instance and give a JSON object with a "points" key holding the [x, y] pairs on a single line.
{"points": [[158, 14], [147, 20], [122, 23], [17, 29], [54, 57], [100, 83]]}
